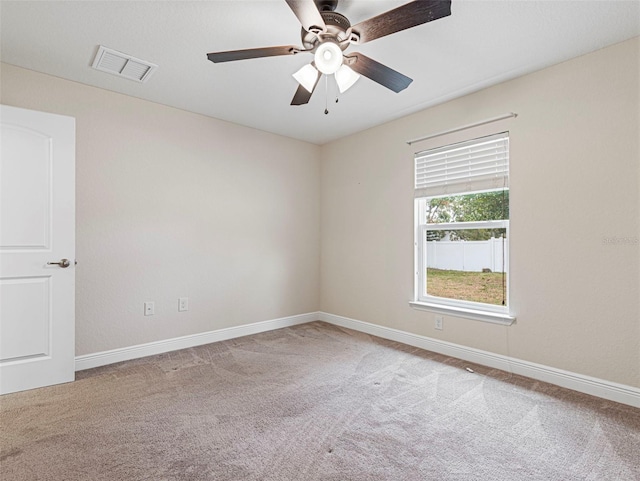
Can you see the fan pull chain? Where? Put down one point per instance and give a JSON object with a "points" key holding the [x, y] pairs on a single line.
{"points": [[326, 94]]}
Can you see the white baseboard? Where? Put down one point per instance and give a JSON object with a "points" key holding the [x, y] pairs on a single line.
{"points": [[578, 382], [97, 359], [589, 385]]}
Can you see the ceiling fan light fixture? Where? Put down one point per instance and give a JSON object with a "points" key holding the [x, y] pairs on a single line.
{"points": [[326, 33], [307, 76], [328, 57], [345, 78]]}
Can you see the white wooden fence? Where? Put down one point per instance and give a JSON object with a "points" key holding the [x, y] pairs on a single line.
{"points": [[470, 256]]}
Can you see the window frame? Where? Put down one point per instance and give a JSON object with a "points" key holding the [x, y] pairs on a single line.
{"points": [[456, 307]]}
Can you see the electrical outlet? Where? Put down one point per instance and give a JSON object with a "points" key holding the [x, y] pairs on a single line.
{"points": [[149, 308], [438, 325], [183, 304]]}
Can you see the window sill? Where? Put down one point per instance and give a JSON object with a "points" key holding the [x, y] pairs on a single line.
{"points": [[476, 315]]}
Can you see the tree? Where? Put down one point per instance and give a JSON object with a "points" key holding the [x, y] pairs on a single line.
{"points": [[468, 208]]}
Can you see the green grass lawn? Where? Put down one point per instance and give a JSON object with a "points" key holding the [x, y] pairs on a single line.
{"points": [[468, 286]]}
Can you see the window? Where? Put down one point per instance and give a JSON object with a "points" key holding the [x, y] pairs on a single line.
{"points": [[462, 229]]}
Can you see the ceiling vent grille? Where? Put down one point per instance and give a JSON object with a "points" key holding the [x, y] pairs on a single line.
{"points": [[123, 65]]}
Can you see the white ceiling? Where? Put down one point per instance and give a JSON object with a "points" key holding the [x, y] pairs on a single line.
{"points": [[482, 43]]}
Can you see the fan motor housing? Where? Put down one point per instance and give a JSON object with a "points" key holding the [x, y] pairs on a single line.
{"points": [[326, 5], [337, 26]]}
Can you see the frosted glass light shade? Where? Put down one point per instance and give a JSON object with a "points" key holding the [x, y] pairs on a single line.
{"points": [[328, 57], [307, 76], [345, 78]]}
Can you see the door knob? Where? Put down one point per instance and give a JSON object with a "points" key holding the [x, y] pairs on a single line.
{"points": [[64, 263]]}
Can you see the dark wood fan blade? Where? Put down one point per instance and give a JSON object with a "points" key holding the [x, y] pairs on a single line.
{"points": [[377, 72], [302, 95], [308, 14], [406, 16], [230, 55]]}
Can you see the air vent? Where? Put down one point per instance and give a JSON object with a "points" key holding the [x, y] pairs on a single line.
{"points": [[123, 65]]}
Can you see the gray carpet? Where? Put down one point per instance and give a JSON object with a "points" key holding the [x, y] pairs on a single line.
{"points": [[312, 402]]}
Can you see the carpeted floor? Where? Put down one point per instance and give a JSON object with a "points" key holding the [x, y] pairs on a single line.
{"points": [[312, 403]]}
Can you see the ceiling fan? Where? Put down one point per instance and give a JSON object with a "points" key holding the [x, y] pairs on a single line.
{"points": [[326, 34]]}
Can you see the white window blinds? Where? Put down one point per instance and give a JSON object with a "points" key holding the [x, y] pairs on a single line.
{"points": [[474, 165]]}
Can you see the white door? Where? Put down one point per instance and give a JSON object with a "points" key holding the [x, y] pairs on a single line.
{"points": [[37, 228]]}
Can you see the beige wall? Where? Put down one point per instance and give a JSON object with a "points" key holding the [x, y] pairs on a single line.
{"points": [[252, 226], [574, 182], [174, 204]]}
